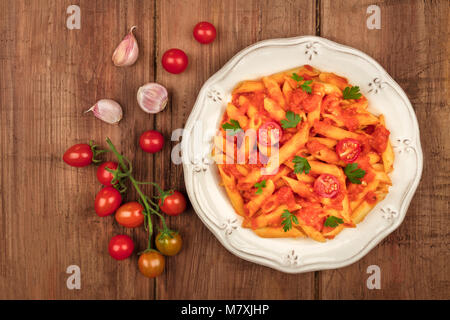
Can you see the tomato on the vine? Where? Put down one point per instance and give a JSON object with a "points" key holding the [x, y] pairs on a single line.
{"points": [[104, 176], [151, 141], [169, 244], [79, 155], [175, 60], [173, 204], [204, 32], [107, 201], [120, 247], [151, 264], [130, 215]]}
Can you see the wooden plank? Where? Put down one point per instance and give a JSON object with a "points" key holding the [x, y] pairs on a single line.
{"points": [[50, 75], [412, 46], [204, 269]]}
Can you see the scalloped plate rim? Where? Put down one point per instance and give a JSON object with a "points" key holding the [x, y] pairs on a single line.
{"points": [[402, 210]]}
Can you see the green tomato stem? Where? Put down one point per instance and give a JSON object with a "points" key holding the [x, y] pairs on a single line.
{"points": [[149, 207]]}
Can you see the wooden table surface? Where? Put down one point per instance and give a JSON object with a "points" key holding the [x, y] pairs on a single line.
{"points": [[49, 75]]}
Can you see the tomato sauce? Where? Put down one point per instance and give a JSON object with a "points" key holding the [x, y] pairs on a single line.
{"points": [[314, 146], [336, 202], [311, 103], [230, 169], [363, 163], [354, 190], [310, 215], [350, 121], [285, 195], [329, 103], [297, 96], [380, 138], [371, 197]]}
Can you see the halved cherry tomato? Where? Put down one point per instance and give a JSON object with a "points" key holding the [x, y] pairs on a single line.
{"points": [[204, 32], [348, 149], [120, 247], [174, 204], [169, 245], [130, 215], [151, 141], [174, 60], [103, 175], [79, 155], [107, 201], [151, 264], [326, 186], [270, 133]]}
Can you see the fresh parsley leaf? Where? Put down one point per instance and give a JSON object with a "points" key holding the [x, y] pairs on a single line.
{"points": [[306, 86], [351, 93], [296, 77], [233, 127], [353, 173], [259, 186], [292, 120], [288, 218], [333, 222], [301, 164]]}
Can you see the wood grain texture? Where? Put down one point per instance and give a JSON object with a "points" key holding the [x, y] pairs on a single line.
{"points": [[49, 75], [412, 45], [205, 269]]}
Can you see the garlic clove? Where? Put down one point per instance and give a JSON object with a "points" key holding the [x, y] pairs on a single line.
{"points": [[107, 110], [127, 51], [152, 97]]}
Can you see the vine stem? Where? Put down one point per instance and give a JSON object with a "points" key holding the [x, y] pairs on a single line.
{"points": [[145, 200]]}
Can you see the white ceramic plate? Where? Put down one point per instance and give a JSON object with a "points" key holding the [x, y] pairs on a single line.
{"points": [[209, 199]]}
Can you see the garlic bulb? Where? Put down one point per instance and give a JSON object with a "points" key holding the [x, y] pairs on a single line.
{"points": [[107, 110], [127, 51], [152, 97]]}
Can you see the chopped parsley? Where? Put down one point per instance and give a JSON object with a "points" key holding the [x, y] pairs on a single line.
{"points": [[353, 173], [301, 165], [351, 93]]}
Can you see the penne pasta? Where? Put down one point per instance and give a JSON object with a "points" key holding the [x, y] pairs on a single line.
{"points": [[272, 232], [301, 155], [249, 86], [257, 201]]}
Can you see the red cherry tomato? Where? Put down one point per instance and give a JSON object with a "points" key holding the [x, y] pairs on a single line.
{"points": [[204, 32], [174, 60], [151, 141], [107, 201], [103, 175], [270, 133], [130, 215], [174, 204], [326, 186], [348, 149], [120, 247], [79, 155]]}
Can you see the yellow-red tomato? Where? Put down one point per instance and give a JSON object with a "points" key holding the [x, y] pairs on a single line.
{"points": [[151, 264], [130, 215], [169, 245]]}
